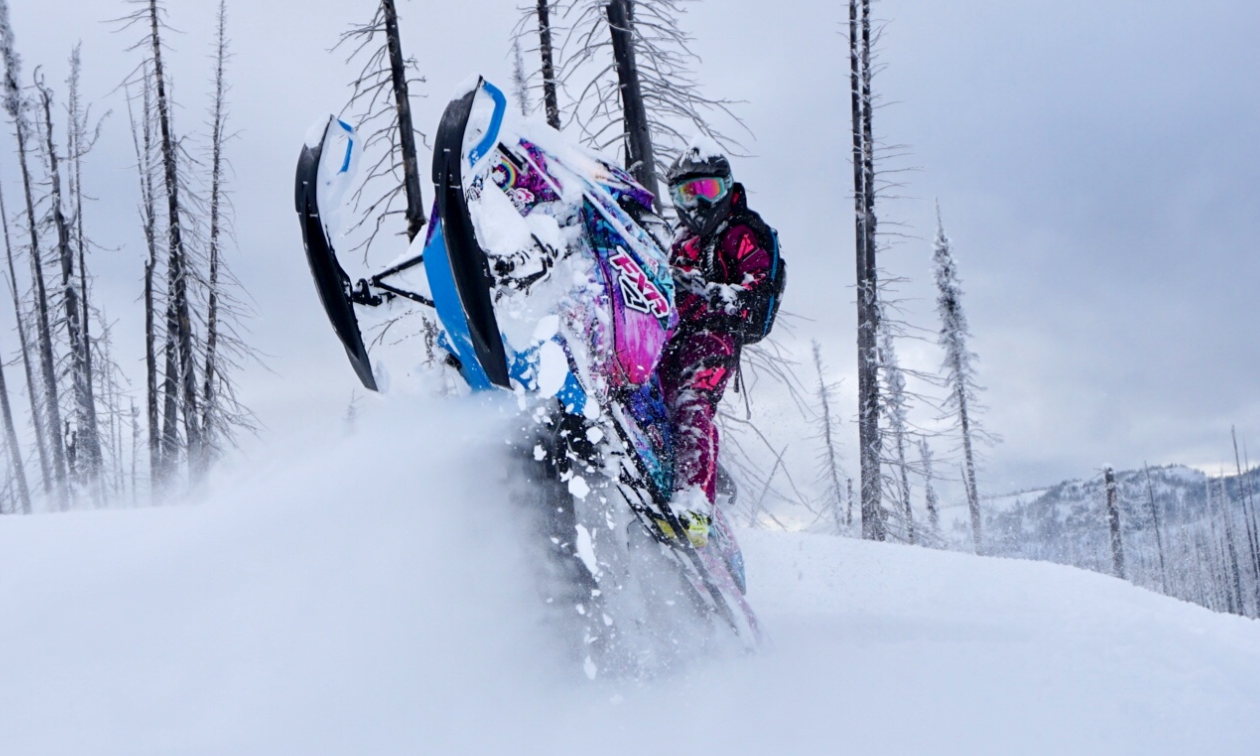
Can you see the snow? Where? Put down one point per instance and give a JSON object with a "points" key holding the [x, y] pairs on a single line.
{"points": [[339, 166], [297, 608], [705, 147], [315, 133]]}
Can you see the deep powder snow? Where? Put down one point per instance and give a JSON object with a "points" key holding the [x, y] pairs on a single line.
{"points": [[370, 595]]}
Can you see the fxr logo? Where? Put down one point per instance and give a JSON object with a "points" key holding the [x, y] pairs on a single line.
{"points": [[640, 294]]}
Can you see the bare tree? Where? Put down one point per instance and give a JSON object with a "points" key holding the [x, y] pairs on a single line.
{"points": [[848, 515], [1113, 521], [142, 131], [222, 413], [656, 58], [929, 493], [870, 441], [1159, 536], [16, 468], [381, 101], [81, 137], [1253, 537], [546, 51], [37, 417], [87, 441], [896, 412], [540, 11], [640, 156], [831, 452], [520, 79], [1232, 568], [15, 106], [181, 389]]}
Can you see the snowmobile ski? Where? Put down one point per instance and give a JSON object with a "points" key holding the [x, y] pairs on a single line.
{"points": [[335, 288], [471, 314]]}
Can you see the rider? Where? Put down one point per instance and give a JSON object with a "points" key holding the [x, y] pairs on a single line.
{"points": [[721, 261]]}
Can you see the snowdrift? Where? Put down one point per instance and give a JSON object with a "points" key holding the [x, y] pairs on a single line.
{"points": [[372, 595]]}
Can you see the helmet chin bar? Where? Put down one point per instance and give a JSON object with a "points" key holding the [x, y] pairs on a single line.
{"points": [[705, 217]]}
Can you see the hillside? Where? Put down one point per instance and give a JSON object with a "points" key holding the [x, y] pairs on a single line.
{"points": [[369, 595]]}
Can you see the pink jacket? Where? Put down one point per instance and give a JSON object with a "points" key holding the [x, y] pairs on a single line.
{"points": [[714, 273]]}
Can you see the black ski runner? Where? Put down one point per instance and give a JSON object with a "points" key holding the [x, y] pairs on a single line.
{"points": [[334, 286]]}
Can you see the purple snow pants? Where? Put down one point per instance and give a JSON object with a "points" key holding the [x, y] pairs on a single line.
{"points": [[694, 372]]}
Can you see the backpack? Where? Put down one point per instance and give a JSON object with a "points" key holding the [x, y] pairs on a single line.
{"points": [[762, 303]]}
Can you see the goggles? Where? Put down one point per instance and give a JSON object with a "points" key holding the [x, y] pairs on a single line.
{"points": [[689, 193]]}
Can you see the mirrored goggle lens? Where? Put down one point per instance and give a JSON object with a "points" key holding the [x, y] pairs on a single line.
{"points": [[690, 192]]}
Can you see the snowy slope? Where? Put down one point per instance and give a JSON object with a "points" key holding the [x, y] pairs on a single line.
{"points": [[369, 596]]}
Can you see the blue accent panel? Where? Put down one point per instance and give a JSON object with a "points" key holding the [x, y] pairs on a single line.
{"points": [[651, 434], [572, 396], [345, 165], [524, 369], [437, 266], [774, 270], [496, 123]]}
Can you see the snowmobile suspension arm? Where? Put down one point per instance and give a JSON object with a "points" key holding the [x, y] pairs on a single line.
{"points": [[363, 295]]}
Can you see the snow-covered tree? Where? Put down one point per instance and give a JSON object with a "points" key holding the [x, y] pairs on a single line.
{"points": [[896, 413], [959, 371], [1113, 522], [930, 502], [831, 450], [520, 79]]}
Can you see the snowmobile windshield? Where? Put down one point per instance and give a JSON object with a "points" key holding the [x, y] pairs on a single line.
{"points": [[689, 193]]}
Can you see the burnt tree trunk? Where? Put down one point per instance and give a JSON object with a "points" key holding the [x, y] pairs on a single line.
{"points": [[1233, 568], [874, 526], [15, 451], [37, 418], [52, 399], [406, 132], [178, 313], [87, 443], [1113, 521], [969, 468], [209, 392], [170, 395], [1253, 537], [148, 216], [150, 377], [51, 415], [77, 148], [546, 50], [1159, 536], [640, 158]]}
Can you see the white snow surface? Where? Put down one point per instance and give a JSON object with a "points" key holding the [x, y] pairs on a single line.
{"points": [[299, 609], [705, 146]]}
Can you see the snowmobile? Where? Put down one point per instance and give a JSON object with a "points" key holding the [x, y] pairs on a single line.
{"points": [[548, 270]]}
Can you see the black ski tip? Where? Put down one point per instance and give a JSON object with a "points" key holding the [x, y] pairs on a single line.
{"points": [[331, 280], [468, 260]]}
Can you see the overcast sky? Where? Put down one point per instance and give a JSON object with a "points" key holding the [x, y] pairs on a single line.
{"points": [[1096, 164]]}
